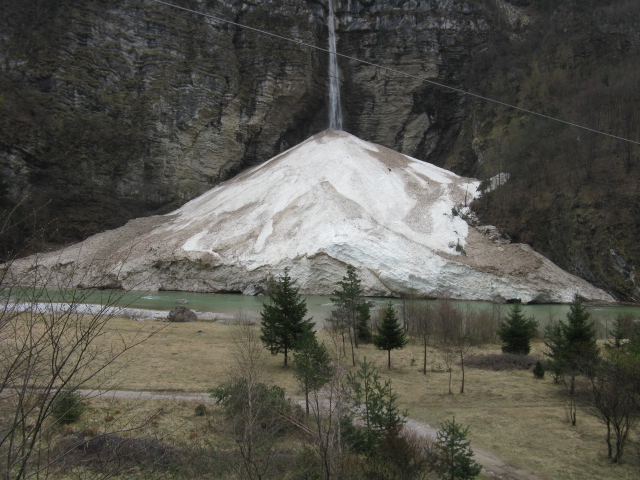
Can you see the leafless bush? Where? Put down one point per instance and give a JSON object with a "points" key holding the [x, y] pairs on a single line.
{"points": [[482, 326], [49, 344], [503, 361], [114, 453], [241, 317]]}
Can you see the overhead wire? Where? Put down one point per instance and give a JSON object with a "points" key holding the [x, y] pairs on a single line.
{"points": [[400, 72]]}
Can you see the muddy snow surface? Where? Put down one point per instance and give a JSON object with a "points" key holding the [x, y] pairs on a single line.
{"points": [[331, 201]]}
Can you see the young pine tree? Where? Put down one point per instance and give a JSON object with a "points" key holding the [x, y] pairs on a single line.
{"points": [[312, 366], [556, 344], [580, 336], [283, 322], [516, 331], [376, 405], [572, 350], [455, 460], [572, 345], [390, 335], [538, 370]]}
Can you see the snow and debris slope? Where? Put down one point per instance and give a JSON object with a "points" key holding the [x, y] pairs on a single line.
{"points": [[333, 200]]}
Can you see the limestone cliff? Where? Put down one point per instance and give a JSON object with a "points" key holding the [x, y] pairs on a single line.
{"points": [[111, 110]]}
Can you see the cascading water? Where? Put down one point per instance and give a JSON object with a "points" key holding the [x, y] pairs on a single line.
{"points": [[335, 110]]}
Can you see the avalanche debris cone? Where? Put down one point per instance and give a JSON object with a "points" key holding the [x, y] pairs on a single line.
{"points": [[331, 201]]}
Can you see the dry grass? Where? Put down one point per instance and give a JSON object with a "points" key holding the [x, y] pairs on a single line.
{"points": [[510, 413], [184, 357]]}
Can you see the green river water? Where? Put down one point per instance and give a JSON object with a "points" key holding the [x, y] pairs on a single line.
{"points": [[319, 307]]}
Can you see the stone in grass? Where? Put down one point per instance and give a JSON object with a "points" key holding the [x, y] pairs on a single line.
{"points": [[182, 314]]}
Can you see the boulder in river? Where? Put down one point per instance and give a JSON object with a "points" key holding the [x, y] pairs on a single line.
{"points": [[182, 314]]}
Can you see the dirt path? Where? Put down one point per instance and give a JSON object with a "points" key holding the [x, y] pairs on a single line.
{"points": [[492, 466]]}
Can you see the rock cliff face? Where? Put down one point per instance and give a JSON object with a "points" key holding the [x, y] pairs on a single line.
{"points": [[132, 106], [111, 110]]}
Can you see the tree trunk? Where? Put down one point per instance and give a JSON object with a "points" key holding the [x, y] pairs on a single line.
{"points": [[389, 359], [573, 409], [462, 367], [306, 399], [353, 352], [424, 367], [354, 326]]}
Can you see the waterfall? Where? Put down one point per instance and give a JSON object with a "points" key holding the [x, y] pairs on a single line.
{"points": [[335, 110]]}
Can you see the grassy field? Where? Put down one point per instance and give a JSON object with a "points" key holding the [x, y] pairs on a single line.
{"points": [[511, 414]]}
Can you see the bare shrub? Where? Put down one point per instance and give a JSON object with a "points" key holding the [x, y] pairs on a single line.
{"points": [[116, 453], [50, 344], [257, 414], [242, 317], [482, 325], [503, 361]]}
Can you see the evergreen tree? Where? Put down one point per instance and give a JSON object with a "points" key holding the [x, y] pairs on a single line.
{"points": [[572, 349], [377, 406], [456, 457], [283, 322], [312, 366], [633, 345], [363, 333], [572, 345], [517, 331], [538, 370], [390, 335], [555, 342], [623, 328], [580, 337]]}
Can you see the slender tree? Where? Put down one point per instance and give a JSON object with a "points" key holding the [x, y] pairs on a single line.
{"points": [[623, 328], [555, 343], [614, 399], [312, 366], [421, 325], [352, 312], [256, 411], [572, 349], [283, 322], [390, 335], [516, 331]]}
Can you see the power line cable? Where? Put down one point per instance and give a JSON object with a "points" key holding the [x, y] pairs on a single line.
{"points": [[399, 72]]}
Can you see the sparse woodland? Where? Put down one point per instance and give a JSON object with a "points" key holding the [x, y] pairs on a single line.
{"points": [[320, 417]]}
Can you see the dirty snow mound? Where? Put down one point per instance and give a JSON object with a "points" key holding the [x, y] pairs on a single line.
{"points": [[333, 200]]}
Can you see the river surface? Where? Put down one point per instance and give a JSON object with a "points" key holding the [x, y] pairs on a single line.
{"points": [[227, 306]]}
